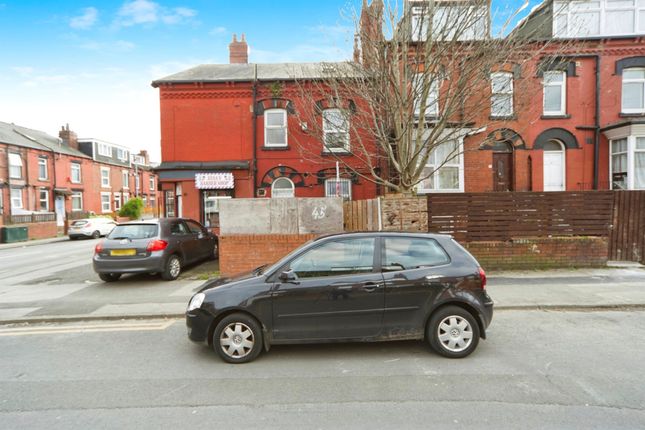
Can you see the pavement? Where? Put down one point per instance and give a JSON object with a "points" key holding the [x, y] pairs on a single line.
{"points": [[141, 296], [33, 242]]}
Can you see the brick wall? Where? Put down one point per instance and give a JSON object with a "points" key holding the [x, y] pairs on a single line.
{"points": [[241, 253], [41, 230], [540, 253]]}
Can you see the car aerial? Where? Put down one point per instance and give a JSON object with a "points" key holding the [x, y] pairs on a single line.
{"points": [[349, 287], [90, 227], [162, 245]]}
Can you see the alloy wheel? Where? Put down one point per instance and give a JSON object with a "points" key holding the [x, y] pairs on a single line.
{"points": [[237, 340], [455, 333]]}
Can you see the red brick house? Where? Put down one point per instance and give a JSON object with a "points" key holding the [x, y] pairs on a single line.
{"points": [[230, 130], [46, 179]]}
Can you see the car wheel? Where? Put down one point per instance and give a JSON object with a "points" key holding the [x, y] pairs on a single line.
{"points": [[96, 234], [215, 252], [109, 277], [173, 268], [73, 238], [238, 338], [453, 332]]}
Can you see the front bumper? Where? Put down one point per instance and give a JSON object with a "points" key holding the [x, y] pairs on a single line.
{"points": [[198, 323], [149, 264]]}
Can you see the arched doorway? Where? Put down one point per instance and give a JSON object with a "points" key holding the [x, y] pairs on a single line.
{"points": [[554, 166], [282, 187], [502, 166]]}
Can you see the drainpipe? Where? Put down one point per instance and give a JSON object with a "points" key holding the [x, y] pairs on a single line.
{"points": [[254, 116], [53, 196], [596, 143]]}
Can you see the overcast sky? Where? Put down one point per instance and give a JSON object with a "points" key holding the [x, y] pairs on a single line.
{"points": [[90, 63]]}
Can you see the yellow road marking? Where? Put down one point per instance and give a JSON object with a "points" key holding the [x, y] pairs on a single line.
{"points": [[87, 328]]}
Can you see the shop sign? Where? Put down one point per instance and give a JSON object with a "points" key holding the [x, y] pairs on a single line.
{"points": [[214, 181]]}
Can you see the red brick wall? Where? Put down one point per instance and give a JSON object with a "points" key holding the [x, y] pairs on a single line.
{"points": [[42, 230], [241, 253], [541, 253]]}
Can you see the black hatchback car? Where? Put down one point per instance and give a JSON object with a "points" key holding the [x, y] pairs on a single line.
{"points": [[162, 246], [349, 287]]}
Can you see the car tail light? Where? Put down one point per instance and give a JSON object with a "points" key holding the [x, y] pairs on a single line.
{"points": [[157, 245], [98, 248], [482, 276]]}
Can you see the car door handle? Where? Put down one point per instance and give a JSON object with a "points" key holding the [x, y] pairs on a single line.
{"points": [[371, 286]]}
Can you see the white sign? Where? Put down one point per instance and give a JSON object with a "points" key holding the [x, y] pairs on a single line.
{"points": [[214, 181]]}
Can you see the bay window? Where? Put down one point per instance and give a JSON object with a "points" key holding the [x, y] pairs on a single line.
{"points": [[627, 163], [444, 171]]}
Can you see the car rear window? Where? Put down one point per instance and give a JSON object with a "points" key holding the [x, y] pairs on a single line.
{"points": [[405, 253], [79, 223], [134, 231]]}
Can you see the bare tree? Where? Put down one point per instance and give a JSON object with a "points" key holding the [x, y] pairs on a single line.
{"points": [[425, 76]]}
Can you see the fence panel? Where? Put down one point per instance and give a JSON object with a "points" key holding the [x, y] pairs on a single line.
{"points": [[361, 215], [30, 218], [502, 216], [627, 240]]}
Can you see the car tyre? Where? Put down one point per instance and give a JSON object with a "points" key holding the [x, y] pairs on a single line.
{"points": [[238, 338], [96, 234], [173, 268], [73, 238], [215, 252], [453, 332], [109, 277]]}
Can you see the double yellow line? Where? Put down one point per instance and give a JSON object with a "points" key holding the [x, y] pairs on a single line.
{"points": [[88, 328]]}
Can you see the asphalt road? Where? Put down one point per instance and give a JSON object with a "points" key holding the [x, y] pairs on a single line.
{"points": [[569, 370]]}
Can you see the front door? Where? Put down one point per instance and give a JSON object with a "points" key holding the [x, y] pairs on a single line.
{"points": [[554, 171], [337, 293], [503, 171], [60, 211]]}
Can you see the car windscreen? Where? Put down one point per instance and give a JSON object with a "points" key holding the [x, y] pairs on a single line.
{"points": [[134, 231]]}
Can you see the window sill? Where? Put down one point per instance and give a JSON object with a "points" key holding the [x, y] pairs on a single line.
{"points": [[555, 116], [336, 153], [275, 148], [631, 114]]}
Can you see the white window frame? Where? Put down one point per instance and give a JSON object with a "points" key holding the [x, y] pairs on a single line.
{"points": [[432, 102], [15, 165], [631, 151], [126, 197], [268, 127], [330, 128], [77, 195], [106, 206], [137, 183], [563, 92], [42, 164], [282, 178], [117, 202], [75, 168], [122, 154], [151, 181], [105, 180], [331, 188], [15, 194], [43, 197], [505, 92], [436, 166], [632, 81], [125, 178], [563, 11], [104, 149]]}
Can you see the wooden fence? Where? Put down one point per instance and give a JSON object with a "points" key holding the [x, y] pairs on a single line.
{"points": [[627, 239], [473, 217], [361, 215], [30, 218]]}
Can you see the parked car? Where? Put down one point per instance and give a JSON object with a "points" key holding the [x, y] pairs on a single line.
{"points": [[163, 246], [349, 287], [90, 227]]}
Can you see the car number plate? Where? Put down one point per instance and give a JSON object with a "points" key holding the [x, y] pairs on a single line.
{"points": [[123, 252]]}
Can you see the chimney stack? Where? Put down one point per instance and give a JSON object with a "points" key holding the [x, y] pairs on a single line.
{"points": [[238, 51], [69, 137]]}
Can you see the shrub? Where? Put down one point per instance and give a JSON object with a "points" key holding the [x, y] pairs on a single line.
{"points": [[132, 208]]}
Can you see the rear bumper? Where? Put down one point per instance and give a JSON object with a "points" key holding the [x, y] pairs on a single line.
{"points": [[153, 263], [76, 234], [198, 323]]}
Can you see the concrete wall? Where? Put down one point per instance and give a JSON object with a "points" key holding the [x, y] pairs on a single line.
{"points": [[281, 216]]}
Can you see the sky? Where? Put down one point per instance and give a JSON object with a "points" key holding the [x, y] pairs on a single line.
{"points": [[90, 63]]}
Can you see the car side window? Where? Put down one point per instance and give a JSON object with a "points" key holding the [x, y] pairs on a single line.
{"points": [[407, 253], [194, 227], [336, 258], [178, 228]]}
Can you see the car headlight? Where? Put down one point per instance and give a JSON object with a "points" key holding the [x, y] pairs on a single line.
{"points": [[196, 301]]}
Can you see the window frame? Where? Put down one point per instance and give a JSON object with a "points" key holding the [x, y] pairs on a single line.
{"points": [[77, 195], [433, 95], [563, 10], [436, 243], [104, 149], [283, 178], [43, 173], [328, 182], [103, 202], [268, 127], [437, 166], [75, 167], [125, 179], [13, 157], [13, 198], [105, 180], [632, 81], [151, 183], [630, 152], [510, 93], [336, 130], [563, 92], [43, 197]]}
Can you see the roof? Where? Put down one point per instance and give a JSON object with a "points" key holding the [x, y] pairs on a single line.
{"points": [[246, 72], [16, 135]]}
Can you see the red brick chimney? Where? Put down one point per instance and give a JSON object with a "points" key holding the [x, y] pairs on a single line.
{"points": [[143, 153], [68, 136], [238, 51]]}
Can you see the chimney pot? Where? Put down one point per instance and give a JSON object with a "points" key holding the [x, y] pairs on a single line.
{"points": [[238, 51]]}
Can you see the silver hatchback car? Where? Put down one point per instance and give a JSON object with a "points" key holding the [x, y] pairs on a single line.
{"points": [[162, 246]]}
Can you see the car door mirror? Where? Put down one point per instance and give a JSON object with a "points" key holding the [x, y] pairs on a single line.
{"points": [[289, 277]]}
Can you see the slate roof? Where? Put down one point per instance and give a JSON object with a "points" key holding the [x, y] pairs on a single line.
{"points": [[245, 72], [12, 134]]}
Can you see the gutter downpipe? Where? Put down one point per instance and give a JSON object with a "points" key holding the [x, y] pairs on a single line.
{"points": [[254, 171], [596, 143]]}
